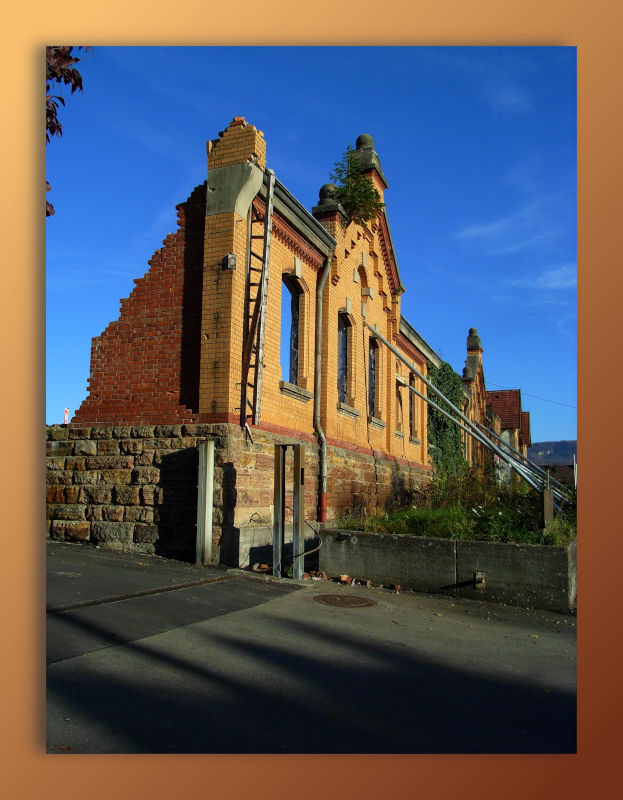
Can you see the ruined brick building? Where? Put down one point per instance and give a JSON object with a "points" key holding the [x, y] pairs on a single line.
{"points": [[196, 354]]}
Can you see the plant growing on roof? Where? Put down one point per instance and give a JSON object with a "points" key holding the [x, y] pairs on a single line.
{"points": [[355, 191]]}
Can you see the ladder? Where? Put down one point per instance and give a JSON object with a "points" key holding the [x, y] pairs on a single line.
{"points": [[256, 295]]}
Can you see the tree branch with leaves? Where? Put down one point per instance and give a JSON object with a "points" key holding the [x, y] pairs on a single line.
{"points": [[59, 72]]}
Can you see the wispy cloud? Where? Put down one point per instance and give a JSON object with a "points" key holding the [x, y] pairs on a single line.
{"points": [[532, 226], [524, 175], [507, 96], [503, 91], [500, 228], [555, 278], [72, 272]]}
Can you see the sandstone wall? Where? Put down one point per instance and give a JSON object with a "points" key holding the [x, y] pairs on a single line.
{"points": [[135, 487]]}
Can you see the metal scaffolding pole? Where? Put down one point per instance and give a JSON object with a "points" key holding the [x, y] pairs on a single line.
{"points": [[473, 430], [529, 464], [513, 464]]}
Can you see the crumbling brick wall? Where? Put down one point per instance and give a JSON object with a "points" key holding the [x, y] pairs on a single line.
{"points": [[145, 365]]}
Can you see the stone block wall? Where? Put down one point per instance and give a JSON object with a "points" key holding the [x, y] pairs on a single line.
{"points": [[124, 487], [135, 487], [361, 481]]}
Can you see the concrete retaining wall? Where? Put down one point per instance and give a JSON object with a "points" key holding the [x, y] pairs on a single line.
{"points": [[532, 576]]}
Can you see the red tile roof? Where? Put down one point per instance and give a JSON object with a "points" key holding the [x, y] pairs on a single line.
{"points": [[525, 428], [506, 403]]}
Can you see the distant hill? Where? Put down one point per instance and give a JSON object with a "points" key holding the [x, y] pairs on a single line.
{"points": [[547, 453]]}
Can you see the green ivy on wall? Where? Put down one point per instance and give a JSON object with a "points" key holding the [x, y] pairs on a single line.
{"points": [[444, 437]]}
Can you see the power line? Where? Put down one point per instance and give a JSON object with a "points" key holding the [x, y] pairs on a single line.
{"points": [[556, 402]]}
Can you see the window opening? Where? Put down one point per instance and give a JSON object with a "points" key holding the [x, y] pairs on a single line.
{"points": [[398, 409], [343, 328], [373, 365], [290, 317], [412, 409]]}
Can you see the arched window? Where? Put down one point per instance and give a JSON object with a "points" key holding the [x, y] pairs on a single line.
{"points": [[343, 362], [413, 426], [291, 293], [398, 409], [373, 377]]}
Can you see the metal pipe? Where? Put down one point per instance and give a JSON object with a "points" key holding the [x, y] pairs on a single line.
{"points": [[322, 465]]}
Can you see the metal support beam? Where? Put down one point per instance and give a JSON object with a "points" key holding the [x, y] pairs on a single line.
{"points": [[544, 474], [205, 500], [279, 507], [473, 430], [480, 438], [298, 515], [298, 521]]}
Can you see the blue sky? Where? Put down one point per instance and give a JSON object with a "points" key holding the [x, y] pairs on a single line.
{"points": [[478, 145]]}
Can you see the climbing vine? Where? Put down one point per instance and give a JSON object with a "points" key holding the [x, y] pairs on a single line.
{"points": [[444, 437], [355, 191]]}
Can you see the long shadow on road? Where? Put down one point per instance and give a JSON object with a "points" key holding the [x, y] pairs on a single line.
{"points": [[305, 693]]}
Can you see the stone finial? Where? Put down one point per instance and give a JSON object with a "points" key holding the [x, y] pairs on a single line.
{"points": [[367, 156], [327, 194], [473, 340], [327, 200], [365, 140]]}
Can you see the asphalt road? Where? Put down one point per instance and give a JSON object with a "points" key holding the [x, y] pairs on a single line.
{"points": [[152, 656]]}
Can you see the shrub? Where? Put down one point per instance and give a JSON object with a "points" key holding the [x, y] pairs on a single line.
{"points": [[355, 191], [473, 506]]}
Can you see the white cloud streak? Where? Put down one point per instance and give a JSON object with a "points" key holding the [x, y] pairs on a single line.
{"points": [[555, 278], [531, 227]]}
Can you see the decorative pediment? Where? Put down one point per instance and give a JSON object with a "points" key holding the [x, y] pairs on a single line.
{"points": [[381, 228]]}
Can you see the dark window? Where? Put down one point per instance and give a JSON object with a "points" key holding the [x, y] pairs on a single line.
{"points": [[343, 334], [398, 408], [373, 368], [412, 409], [290, 315]]}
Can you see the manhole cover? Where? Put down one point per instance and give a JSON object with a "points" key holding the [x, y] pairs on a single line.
{"points": [[344, 600]]}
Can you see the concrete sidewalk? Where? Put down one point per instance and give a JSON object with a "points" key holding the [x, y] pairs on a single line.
{"points": [[233, 662]]}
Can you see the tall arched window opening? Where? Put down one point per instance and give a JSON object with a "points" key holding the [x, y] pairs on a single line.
{"points": [[290, 322], [373, 377], [398, 409], [343, 366], [412, 409]]}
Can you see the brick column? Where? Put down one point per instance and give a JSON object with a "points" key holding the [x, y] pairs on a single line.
{"points": [[236, 162]]}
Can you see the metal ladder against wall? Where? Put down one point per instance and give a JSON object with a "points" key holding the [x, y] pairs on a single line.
{"points": [[256, 296]]}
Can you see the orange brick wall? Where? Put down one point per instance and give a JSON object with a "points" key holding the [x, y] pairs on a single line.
{"points": [[175, 353], [360, 251]]}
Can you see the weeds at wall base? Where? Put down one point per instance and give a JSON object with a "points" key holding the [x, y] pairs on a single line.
{"points": [[473, 506]]}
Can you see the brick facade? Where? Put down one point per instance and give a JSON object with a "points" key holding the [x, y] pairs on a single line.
{"points": [[167, 373]]}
